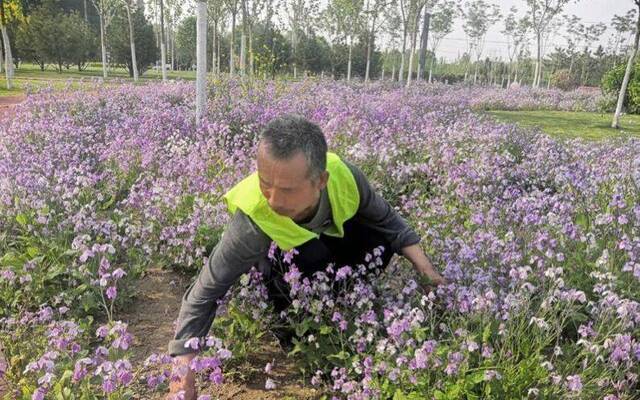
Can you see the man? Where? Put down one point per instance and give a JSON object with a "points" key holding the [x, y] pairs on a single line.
{"points": [[300, 197]]}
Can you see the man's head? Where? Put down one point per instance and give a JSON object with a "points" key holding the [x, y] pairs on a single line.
{"points": [[292, 161]]}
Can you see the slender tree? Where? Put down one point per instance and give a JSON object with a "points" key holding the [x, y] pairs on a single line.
{"points": [[163, 44], [541, 14], [373, 10], [201, 61], [232, 6], [129, 6], [623, 30], [441, 25], [106, 10], [627, 73], [8, 58], [479, 16], [216, 13]]}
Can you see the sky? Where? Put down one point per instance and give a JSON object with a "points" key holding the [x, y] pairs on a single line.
{"points": [[590, 11]]}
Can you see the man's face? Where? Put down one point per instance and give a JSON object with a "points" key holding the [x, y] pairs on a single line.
{"points": [[287, 186]]}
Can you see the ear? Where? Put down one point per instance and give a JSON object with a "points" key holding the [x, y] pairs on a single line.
{"points": [[323, 178]]}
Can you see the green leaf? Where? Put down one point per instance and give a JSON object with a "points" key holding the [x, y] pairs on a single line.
{"points": [[302, 327], [326, 330], [108, 203], [486, 333], [398, 395], [343, 355], [33, 251], [476, 377], [22, 219]]}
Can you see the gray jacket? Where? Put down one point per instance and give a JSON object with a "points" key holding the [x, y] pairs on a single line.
{"points": [[243, 245]]}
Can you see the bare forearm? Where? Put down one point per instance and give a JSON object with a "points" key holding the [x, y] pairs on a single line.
{"points": [[422, 263]]}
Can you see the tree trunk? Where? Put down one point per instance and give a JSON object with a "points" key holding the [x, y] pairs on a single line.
{"points": [[103, 47], [232, 44], [393, 70], [163, 44], [8, 57], [201, 60], [172, 46], [218, 61], [349, 62], [571, 64], [433, 59], [411, 55], [243, 40], [1, 55], [251, 71], [369, 44], [132, 43], [475, 73], [627, 74], [157, 30], [538, 74], [214, 56], [423, 45], [84, 3], [404, 50], [294, 52], [382, 74], [243, 51]]}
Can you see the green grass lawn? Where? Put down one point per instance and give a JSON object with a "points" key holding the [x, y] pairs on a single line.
{"points": [[31, 75], [571, 125]]}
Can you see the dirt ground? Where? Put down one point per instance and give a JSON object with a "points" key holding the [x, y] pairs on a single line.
{"points": [[8, 102], [150, 320]]}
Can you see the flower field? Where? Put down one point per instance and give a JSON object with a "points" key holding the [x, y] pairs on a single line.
{"points": [[539, 239]]}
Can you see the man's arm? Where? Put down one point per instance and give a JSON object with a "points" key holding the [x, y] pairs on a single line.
{"points": [[379, 215], [422, 264], [240, 247]]}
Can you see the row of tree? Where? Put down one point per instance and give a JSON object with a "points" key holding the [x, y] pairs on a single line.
{"points": [[396, 39]]}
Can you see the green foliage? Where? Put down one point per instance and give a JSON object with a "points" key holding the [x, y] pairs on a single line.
{"points": [[51, 36], [119, 46], [186, 43], [612, 82]]}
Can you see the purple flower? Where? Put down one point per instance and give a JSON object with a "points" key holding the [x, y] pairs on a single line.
{"points": [[224, 354], [193, 343], [267, 368], [39, 394], [574, 383], [111, 292], [118, 273], [216, 376], [343, 273]]}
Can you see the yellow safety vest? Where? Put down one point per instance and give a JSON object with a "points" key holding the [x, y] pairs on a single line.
{"points": [[343, 196]]}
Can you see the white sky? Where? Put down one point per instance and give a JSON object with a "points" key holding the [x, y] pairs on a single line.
{"points": [[590, 11], [455, 44]]}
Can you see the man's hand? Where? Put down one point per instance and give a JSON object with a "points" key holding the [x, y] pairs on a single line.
{"points": [[432, 278], [187, 383], [429, 275]]}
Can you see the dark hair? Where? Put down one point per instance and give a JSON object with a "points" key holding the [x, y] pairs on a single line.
{"points": [[287, 135]]}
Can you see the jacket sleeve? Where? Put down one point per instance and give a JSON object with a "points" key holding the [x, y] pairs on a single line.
{"points": [[241, 246]]}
